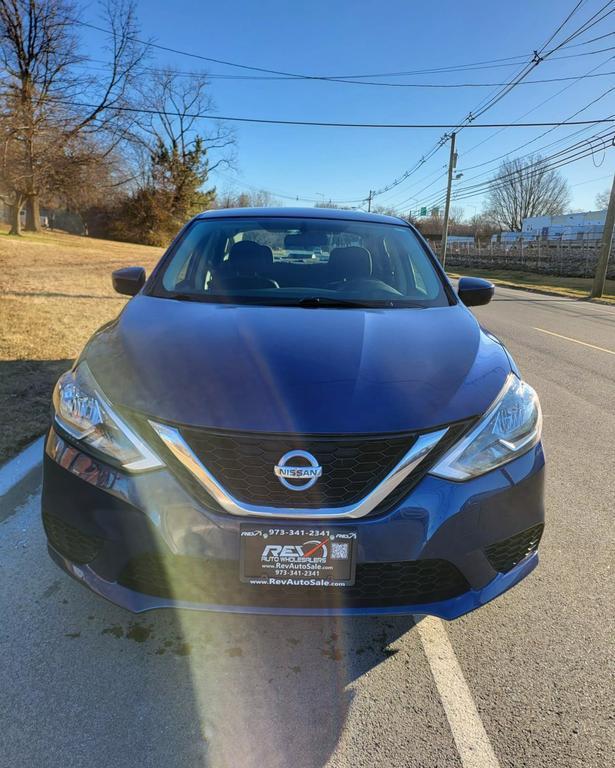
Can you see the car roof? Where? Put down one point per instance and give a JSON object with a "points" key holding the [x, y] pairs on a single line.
{"points": [[301, 213]]}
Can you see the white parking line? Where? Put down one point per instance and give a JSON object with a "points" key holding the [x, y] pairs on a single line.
{"points": [[17, 468], [576, 341], [468, 731]]}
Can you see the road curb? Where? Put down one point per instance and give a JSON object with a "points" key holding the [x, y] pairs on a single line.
{"points": [[20, 477], [547, 292]]}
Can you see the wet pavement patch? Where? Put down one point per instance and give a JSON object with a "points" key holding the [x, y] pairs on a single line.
{"points": [[333, 653], [183, 649], [51, 590], [115, 630], [139, 632]]}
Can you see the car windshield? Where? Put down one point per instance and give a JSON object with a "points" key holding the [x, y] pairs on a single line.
{"points": [[303, 262]]}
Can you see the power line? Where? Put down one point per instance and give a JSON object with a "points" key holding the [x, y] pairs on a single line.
{"points": [[559, 159], [506, 154], [322, 123], [600, 135], [492, 99], [577, 184], [566, 20], [591, 22], [438, 172], [210, 76], [555, 166], [496, 184], [467, 122], [441, 175], [538, 57], [541, 135], [282, 195], [550, 130], [333, 78], [589, 73]]}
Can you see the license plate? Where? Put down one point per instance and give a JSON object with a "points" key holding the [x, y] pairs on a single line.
{"points": [[298, 556]]}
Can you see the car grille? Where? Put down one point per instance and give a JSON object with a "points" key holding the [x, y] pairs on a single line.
{"points": [[69, 541], [216, 582], [504, 555], [243, 464]]}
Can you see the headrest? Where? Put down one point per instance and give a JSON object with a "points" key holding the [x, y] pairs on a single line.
{"points": [[248, 256], [350, 263]]}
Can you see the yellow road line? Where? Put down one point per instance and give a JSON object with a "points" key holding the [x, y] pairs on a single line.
{"points": [[576, 341]]}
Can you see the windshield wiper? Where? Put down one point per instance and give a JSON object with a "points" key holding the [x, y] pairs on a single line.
{"points": [[329, 301], [180, 296], [308, 302]]}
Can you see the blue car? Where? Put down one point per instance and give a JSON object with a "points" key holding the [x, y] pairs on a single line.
{"points": [[295, 414]]}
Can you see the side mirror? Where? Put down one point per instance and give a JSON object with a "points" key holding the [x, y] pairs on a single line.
{"points": [[474, 292], [128, 280]]}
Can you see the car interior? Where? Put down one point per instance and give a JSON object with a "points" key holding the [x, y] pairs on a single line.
{"points": [[369, 264]]}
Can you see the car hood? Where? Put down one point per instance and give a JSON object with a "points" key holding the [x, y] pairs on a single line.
{"points": [[289, 369]]}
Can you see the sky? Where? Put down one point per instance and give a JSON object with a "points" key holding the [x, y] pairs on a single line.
{"points": [[349, 37]]}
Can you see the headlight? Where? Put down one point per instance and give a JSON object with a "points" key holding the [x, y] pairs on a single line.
{"points": [[83, 412], [510, 427]]}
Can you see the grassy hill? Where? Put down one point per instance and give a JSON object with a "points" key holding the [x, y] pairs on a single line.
{"points": [[55, 290]]}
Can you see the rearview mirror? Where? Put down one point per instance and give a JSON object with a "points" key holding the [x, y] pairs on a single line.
{"points": [[474, 292], [128, 280]]}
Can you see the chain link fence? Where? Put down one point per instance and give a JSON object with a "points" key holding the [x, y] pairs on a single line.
{"points": [[564, 258]]}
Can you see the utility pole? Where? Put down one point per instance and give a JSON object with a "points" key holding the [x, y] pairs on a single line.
{"points": [[451, 167], [605, 248], [369, 200]]}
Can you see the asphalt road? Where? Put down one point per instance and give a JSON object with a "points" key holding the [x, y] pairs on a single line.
{"points": [[526, 681]]}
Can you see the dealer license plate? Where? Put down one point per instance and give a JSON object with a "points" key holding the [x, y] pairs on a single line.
{"points": [[298, 556]]}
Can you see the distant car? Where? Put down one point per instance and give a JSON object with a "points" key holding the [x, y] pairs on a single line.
{"points": [[259, 435]]}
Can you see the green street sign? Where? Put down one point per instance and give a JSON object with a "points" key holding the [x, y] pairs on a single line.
{"points": [[423, 211]]}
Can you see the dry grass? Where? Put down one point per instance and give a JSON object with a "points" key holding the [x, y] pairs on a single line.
{"points": [[55, 290], [574, 287]]}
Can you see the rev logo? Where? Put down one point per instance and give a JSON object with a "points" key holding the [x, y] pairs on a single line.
{"points": [[313, 550]]}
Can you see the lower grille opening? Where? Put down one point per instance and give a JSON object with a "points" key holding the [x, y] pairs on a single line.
{"points": [[504, 555], [69, 541], [217, 582]]}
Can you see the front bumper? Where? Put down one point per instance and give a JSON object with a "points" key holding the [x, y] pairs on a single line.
{"points": [[462, 543]]}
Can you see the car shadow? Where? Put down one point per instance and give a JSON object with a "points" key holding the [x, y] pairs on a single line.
{"points": [[64, 295]]}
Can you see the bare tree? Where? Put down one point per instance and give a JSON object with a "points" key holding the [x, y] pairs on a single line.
{"points": [[181, 153], [174, 108], [602, 200], [482, 226], [176, 155], [42, 106], [255, 199], [526, 187]]}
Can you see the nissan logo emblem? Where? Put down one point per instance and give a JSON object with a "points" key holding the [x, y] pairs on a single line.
{"points": [[297, 470]]}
